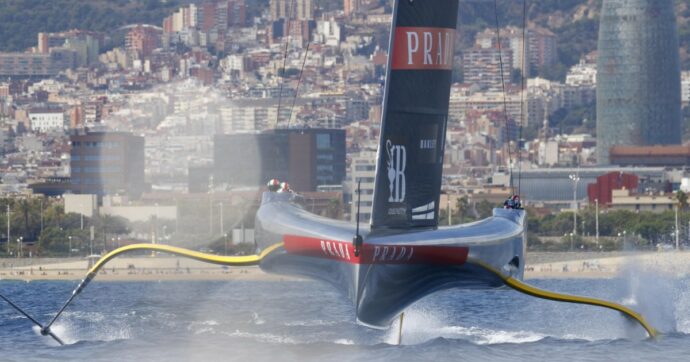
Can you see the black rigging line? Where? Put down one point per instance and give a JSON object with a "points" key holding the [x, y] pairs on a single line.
{"points": [[505, 105], [44, 330], [358, 240], [299, 81], [522, 90], [287, 41]]}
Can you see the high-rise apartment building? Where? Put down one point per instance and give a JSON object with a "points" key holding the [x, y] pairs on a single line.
{"points": [[362, 174], [237, 13], [282, 9], [482, 66], [107, 163], [351, 6], [305, 10], [46, 119], [305, 158], [224, 14], [638, 75], [540, 46], [27, 64], [207, 17], [142, 40], [685, 88]]}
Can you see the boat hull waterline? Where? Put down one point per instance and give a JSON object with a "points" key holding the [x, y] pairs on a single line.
{"points": [[394, 269]]}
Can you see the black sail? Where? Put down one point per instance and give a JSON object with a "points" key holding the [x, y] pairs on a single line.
{"points": [[415, 112]]}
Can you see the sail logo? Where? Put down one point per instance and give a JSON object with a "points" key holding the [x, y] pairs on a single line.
{"points": [[423, 48], [392, 253], [336, 249], [424, 212], [397, 160], [428, 144], [376, 253]]}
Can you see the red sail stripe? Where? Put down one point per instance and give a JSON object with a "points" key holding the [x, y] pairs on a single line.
{"points": [[423, 48], [375, 254]]}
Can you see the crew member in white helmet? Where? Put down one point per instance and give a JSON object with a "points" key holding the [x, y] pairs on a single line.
{"points": [[284, 187], [273, 185]]}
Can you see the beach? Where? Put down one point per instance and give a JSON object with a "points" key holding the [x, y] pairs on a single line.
{"points": [[539, 265], [140, 268], [583, 265]]}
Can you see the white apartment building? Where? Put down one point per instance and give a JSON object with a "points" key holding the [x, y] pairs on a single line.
{"points": [[582, 73], [623, 200], [685, 87], [363, 168], [490, 101], [46, 120], [327, 32], [237, 119]]}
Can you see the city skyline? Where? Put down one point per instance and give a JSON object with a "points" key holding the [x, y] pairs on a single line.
{"points": [[220, 67]]}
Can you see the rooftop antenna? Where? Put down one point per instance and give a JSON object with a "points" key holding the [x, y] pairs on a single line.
{"points": [[505, 103], [357, 241], [522, 93], [299, 81], [287, 42]]}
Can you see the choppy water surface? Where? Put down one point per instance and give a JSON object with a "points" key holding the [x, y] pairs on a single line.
{"points": [[194, 321]]}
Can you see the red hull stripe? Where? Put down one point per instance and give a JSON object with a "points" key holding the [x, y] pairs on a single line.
{"points": [[423, 48], [374, 254]]}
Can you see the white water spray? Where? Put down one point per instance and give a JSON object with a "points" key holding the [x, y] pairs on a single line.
{"points": [[659, 294], [422, 324]]}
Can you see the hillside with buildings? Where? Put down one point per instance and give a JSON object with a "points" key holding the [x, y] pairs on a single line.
{"points": [[575, 22], [186, 113], [21, 21]]}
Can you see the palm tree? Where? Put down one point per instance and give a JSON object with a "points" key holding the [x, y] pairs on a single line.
{"points": [[333, 210], [25, 211], [682, 198], [463, 207]]}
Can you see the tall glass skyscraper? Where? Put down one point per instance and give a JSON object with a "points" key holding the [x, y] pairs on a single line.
{"points": [[638, 75]]}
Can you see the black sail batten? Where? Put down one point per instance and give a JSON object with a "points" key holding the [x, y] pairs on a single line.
{"points": [[415, 113]]}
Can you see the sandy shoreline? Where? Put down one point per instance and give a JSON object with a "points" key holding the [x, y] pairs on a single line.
{"points": [[160, 268], [605, 265], [143, 268]]}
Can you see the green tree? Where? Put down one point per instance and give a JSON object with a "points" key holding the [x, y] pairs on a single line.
{"points": [[21, 21], [462, 204], [533, 241], [682, 198], [557, 225], [106, 227], [25, 219], [54, 241], [334, 210], [111, 224], [569, 120], [485, 209]]}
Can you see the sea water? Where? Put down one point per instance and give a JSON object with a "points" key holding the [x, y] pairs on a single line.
{"points": [[305, 320]]}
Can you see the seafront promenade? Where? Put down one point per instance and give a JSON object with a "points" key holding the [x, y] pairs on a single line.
{"points": [[539, 265], [140, 268], [559, 265]]}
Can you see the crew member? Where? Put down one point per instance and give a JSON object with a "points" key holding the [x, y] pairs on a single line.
{"points": [[273, 185], [284, 187], [516, 202], [513, 202]]}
